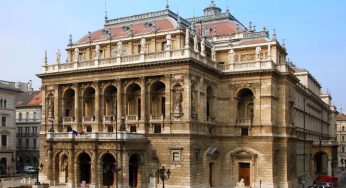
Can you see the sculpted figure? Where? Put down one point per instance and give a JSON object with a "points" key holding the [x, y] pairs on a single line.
{"points": [[231, 56], [97, 51], [240, 184], [213, 53], [76, 54], [195, 43], [258, 53], [187, 38], [178, 98], [58, 56], [143, 43], [120, 47]]}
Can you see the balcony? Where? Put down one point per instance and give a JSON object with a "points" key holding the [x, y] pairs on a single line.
{"points": [[28, 120], [244, 122], [68, 120], [108, 119], [130, 118], [88, 119], [95, 136], [156, 118]]}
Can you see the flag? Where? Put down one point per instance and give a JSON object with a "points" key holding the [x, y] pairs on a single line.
{"points": [[74, 132]]}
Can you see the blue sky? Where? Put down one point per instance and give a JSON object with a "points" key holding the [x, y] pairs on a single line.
{"points": [[314, 31]]}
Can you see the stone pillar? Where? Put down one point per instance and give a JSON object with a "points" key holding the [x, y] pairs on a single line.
{"points": [[168, 97], [56, 107], [76, 106], [97, 101], [119, 100], [124, 179], [143, 99], [94, 167], [187, 98], [71, 167], [50, 165]]}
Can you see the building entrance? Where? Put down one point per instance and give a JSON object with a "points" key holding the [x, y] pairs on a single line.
{"points": [[244, 173]]}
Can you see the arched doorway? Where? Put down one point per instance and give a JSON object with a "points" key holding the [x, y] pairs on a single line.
{"points": [[133, 170], [108, 164], [3, 166], [84, 167], [321, 163]]}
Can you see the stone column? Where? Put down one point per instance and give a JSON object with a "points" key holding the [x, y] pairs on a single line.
{"points": [[70, 178], [143, 99], [94, 167], [124, 179], [50, 165], [76, 106], [168, 96], [187, 97], [119, 100], [56, 107], [97, 101]]}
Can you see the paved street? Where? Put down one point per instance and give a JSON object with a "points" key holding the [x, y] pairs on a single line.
{"points": [[342, 181]]}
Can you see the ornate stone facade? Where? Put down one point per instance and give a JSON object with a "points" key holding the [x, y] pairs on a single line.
{"points": [[213, 105]]}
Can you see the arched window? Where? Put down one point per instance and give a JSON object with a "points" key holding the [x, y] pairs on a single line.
{"points": [[245, 108], [27, 116], [20, 116], [34, 116]]}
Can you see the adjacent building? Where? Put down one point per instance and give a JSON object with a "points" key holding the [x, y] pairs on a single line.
{"points": [[28, 120], [209, 99], [341, 138], [8, 93]]}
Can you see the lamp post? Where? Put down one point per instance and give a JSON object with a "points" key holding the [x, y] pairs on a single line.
{"points": [[38, 169], [52, 124], [122, 125], [164, 175]]}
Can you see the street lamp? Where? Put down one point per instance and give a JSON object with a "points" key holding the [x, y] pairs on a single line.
{"points": [[122, 125], [164, 175], [116, 168], [52, 124], [39, 167]]}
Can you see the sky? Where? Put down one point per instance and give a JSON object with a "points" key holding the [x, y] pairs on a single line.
{"points": [[314, 31]]}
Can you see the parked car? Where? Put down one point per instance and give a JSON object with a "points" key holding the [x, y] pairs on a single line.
{"points": [[29, 169], [327, 184], [330, 179], [319, 186]]}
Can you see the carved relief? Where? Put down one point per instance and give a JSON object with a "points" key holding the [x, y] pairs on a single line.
{"points": [[247, 57]]}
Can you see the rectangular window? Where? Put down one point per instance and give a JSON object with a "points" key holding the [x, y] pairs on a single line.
{"points": [[343, 138], [163, 46], [110, 129], [34, 130], [3, 121], [68, 129], [27, 130], [27, 143], [20, 143], [175, 155], [34, 144], [3, 140], [133, 128], [244, 131], [157, 128]]}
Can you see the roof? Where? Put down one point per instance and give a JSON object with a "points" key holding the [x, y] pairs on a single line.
{"points": [[340, 116], [29, 98]]}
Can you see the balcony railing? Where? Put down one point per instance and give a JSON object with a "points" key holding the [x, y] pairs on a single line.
{"points": [[158, 117], [27, 120], [67, 120], [108, 119], [244, 121], [93, 136], [131, 118], [88, 119]]}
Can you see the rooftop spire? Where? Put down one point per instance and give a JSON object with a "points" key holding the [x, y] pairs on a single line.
{"points": [[70, 40], [167, 5], [106, 17], [45, 60]]}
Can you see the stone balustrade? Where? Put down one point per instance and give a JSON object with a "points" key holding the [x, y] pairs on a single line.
{"points": [[158, 117], [131, 118], [244, 121], [94, 136]]}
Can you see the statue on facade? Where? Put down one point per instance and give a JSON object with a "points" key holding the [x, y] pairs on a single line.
{"points": [[213, 53], [120, 48], [178, 99], [51, 106], [97, 51], [58, 56], [240, 184], [195, 43], [64, 165], [76, 54], [203, 47], [143, 43], [169, 42], [231, 55], [187, 38], [258, 52]]}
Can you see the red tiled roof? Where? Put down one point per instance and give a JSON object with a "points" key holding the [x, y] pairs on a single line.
{"points": [[29, 98], [251, 41], [138, 28], [224, 27], [340, 117]]}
